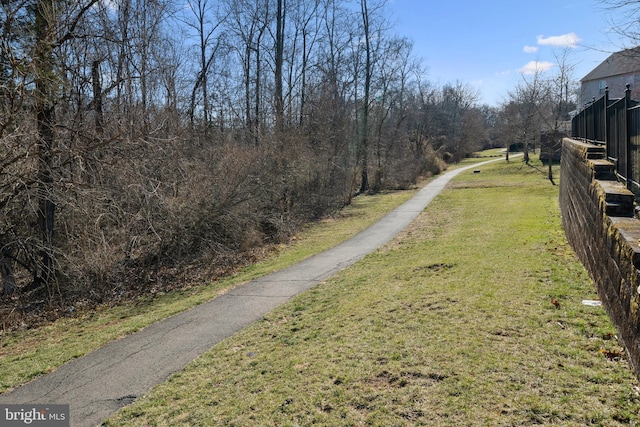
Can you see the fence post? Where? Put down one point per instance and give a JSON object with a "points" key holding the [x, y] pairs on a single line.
{"points": [[594, 119], [584, 121], [606, 118], [627, 133]]}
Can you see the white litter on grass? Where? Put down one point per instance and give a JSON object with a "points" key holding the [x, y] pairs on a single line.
{"points": [[591, 302]]}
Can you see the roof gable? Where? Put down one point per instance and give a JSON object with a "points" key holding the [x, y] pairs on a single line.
{"points": [[623, 62]]}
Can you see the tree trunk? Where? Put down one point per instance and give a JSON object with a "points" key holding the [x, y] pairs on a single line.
{"points": [[6, 269], [256, 106], [97, 97], [257, 119], [551, 148], [279, 48], [247, 87], [364, 180], [45, 115], [303, 78], [550, 174]]}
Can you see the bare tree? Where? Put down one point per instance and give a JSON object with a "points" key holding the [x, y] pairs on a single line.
{"points": [[45, 21], [14, 79], [307, 21], [248, 21], [391, 88], [281, 15], [33, 31], [528, 97], [371, 27], [456, 102], [539, 107], [558, 106], [627, 13], [206, 22]]}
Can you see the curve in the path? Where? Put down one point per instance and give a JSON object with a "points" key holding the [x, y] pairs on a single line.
{"points": [[98, 384]]}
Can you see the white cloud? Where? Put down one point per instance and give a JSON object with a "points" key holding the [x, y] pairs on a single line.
{"points": [[565, 40], [533, 67], [530, 49]]}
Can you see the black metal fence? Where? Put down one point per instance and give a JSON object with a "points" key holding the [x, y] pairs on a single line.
{"points": [[614, 123]]}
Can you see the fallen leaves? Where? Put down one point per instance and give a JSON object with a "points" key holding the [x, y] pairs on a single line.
{"points": [[614, 355]]}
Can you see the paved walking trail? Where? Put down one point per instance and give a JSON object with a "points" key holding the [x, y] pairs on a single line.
{"points": [[98, 384]]}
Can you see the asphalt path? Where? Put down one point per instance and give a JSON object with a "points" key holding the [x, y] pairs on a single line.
{"points": [[98, 384]]}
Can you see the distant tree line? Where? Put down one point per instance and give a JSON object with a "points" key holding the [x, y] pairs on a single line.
{"points": [[141, 136]]}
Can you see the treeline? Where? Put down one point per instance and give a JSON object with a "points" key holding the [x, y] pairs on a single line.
{"points": [[141, 136]]}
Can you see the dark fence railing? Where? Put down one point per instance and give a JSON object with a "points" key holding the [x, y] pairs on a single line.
{"points": [[614, 123], [634, 146]]}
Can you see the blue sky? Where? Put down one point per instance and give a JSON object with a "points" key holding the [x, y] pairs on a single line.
{"points": [[488, 44]]}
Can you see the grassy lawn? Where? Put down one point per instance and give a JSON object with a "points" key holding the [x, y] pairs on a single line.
{"points": [[473, 316]]}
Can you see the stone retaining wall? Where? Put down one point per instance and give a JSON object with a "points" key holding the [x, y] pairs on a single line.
{"points": [[598, 219]]}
